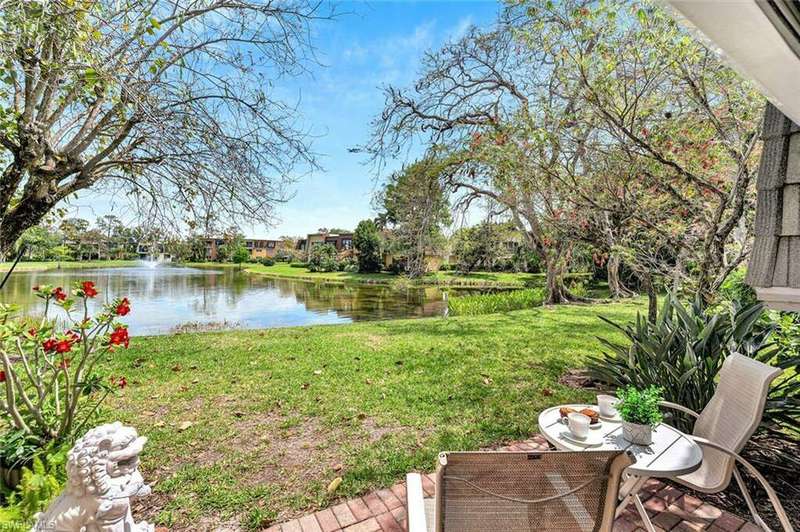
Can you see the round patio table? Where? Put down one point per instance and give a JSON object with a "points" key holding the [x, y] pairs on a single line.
{"points": [[671, 454]]}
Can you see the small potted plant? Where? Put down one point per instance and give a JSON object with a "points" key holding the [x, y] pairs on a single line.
{"points": [[640, 413]]}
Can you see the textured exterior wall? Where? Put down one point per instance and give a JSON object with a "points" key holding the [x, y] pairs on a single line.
{"points": [[775, 260]]}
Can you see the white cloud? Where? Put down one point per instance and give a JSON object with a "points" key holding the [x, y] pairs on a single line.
{"points": [[461, 27]]}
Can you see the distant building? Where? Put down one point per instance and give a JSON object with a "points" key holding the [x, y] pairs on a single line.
{"points": [[259, 248], [153, 252], [341, 241]]}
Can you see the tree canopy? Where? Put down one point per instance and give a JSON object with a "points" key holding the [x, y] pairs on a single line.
{"points": [[413, 205], [170, 103], [367, 241], [591, 122]]}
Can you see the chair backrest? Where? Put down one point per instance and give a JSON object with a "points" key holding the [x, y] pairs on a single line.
{"points": [[734, 412], [567, 491]]}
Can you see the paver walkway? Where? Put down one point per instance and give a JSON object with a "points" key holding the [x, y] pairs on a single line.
{"points": [[385, 510]]}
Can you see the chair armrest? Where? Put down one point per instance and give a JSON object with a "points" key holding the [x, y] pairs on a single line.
{"points": [[773, 497], [416, 503], [679, 408]]}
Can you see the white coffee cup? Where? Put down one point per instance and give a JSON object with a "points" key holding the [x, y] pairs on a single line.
{"points": [[607, 404], [578, 424]]}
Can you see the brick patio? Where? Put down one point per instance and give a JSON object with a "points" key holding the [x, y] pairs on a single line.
{"points": [[384, 510]]}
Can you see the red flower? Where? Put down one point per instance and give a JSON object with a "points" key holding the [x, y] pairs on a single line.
{"points": [[2, 376], [120, 337], [32, 331], [64, 364], [124, 307], [120, 382], [63, 346], [49, 345], [88, 289], [59, 294]]}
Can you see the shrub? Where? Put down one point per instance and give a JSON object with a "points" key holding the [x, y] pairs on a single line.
{"points": [[41, 482], [367, 241], [495, 302], [240, 255], [682, 351], [16, 449], [578, 288], [347, 264], [782, 411], [398, 266], [525, 260], [57, 365], [323, 258], [298, 265], [734, 288], [640, 406], [267, 261]]}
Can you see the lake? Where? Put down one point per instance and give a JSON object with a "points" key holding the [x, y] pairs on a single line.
{"points": [[166, 299]]}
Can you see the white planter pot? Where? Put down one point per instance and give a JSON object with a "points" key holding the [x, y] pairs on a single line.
{"points": [[637, 434]]}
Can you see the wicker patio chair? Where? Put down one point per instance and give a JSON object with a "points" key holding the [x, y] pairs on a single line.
{"points": [[723, 428], [512, 491]]}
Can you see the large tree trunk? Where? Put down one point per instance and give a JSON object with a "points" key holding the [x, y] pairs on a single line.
{"points": [[556, 291], [15, 222], [615, 284], [652, 296]]}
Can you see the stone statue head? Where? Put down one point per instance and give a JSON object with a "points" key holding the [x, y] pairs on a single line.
{"points": [[105, 461]]}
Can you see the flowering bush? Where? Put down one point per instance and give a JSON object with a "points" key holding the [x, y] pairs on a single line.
{"points": [[47, 385]]}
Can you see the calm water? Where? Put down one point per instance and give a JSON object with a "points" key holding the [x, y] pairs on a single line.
{"points": [[164, 299]]}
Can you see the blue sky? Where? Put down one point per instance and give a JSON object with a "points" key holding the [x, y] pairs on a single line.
{"points": [[369, 45]]}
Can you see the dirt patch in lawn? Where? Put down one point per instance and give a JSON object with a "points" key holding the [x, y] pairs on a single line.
{"points": [[302, 452], [375, 431], [290, 454]]}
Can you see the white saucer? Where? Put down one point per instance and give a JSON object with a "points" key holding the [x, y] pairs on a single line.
{"points": [[615, 419], [592, 440]]}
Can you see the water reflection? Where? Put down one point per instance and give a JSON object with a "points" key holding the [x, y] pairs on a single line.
{"points": [[168, 297]]}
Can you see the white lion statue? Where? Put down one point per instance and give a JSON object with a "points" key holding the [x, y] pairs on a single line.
{"points": [[102, 476]]}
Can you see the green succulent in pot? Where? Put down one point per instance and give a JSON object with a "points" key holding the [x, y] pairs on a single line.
{"points": [[640, 413]]}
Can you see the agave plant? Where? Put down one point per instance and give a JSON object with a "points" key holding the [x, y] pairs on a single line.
{"points": [[683, 350]]}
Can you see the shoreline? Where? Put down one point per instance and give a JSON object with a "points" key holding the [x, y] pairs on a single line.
{"points": [[449, 279]]}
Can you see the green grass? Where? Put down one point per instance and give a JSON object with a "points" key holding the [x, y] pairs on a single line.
{"points": [[37, 266], [477, 304], [448, 278], [277, 414]]}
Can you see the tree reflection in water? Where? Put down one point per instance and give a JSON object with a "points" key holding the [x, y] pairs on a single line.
{"points": [[167, 297]]}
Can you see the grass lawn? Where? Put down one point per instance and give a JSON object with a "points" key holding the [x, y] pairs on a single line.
{"points": [[449, 278], [38, 266], [249, 427]]}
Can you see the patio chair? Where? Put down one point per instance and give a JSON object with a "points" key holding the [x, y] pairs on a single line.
{"points": [[724, 426], [513, 491]]}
